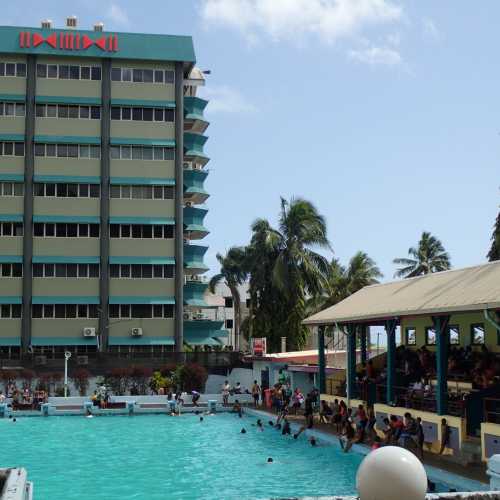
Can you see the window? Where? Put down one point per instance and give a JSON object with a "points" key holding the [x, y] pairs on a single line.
{"points": [[63, 71], [228, 302], [11, 228], [137, 231], [64, 311], [65, 150], [67, 190], [12, 109], [11, 189], [14, 270], [12, 148], [430, 335], [142, 271], [8, 311], [63, 230], [13, 69], [229, 323], [454, 334], [142, 75], [156, 153], [65, 111], [411, 336], [127, 311], [142, 114], [66, 270], [477, 334]]}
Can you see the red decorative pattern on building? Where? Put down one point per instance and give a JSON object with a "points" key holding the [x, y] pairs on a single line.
{"points": [[68, 41]]}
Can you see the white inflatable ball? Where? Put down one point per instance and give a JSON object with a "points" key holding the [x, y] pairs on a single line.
{"points": [[391, 473]]}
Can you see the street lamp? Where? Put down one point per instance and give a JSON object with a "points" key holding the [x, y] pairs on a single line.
{"points": [[67, 355]]}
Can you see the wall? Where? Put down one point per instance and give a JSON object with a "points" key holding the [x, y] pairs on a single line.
{"points": [[462, 320]]}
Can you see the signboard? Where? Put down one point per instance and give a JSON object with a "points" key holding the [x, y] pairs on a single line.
{"points": [[68, 41], [259, 346]]}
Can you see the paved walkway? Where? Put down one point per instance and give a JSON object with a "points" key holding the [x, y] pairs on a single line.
{"points": [[476, 472]]}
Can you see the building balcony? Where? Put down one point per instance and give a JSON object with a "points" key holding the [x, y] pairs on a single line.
{"points": [[194, 121], [194, 294], [193, 223], [193, 148], [193, 259], [203, 332], [194, 190]]}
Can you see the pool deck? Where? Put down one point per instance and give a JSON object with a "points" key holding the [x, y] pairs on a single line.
{"points": [[437, 466]]}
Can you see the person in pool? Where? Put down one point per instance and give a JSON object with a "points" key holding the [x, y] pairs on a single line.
{"points": [[287, 430], [237, 408]]}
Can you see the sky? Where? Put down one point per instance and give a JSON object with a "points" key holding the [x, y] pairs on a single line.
{"points": [[384, 113]]}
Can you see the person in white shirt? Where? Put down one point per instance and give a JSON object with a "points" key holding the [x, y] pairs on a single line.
{"points": [[225, 393]]}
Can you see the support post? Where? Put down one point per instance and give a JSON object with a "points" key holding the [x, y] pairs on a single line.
{"points": [[442, 342], [321, 359], [179, 209], [363, 334], [351, 363], [390, 328]]}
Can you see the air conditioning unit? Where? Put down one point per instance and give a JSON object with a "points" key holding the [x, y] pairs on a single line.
{"points": [[136, 332], [187, 316], [189, 204], [40, 360], [89, 332], [82, 360]]}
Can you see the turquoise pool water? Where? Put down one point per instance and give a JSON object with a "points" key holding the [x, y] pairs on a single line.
{"points": [[162, 457]]}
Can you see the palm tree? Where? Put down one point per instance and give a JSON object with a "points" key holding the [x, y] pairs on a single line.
{"points": [[344, 281], [494, 253], [429, 257], [297, 270], [233, 274]]}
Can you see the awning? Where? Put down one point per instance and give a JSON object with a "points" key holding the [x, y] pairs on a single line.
{"points": [[135, 299], [161, 221], [11, 259], [65, 259], [65, 299], [62, 341], [202, 341], [141, 260], [10, 341], [11, 299], [129, 341], [142, 181], [71, 219]]}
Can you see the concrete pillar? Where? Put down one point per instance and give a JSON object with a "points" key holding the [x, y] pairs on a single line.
{"points": [[351, 361], [442, 342], [321, 359]]}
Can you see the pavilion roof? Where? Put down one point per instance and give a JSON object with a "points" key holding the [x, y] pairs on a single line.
{"points": [[469, 289]]}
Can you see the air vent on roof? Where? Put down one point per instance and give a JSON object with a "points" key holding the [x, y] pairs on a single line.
{"points": [[71, 22], [47, 23], [99, 27]]}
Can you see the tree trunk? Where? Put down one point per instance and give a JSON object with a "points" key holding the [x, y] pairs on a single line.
{"points": [[237, 319]]}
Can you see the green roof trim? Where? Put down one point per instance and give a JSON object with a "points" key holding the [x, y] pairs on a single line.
{"points": [[10, 341], [11, 259], [142, 181], [138, 46], [65, 259], [77, 179], [137, 299], [143, 103], [135, 141], [11, 218], [201, 340], [61, 341], [68, 139], [65, 299], [11, 177], [196, 227], [13, 97], [167, 221], [194, 107], [141, 340], [77, 219], [62, 99], [141, 260], [11, 299]]}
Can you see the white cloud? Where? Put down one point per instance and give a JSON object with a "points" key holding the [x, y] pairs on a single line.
{"points": [[118, 15], [375, 56], [330, 20], [225, 99], [430, 31]]}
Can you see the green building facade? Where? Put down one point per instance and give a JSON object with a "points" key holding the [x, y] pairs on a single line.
{"points": [[102, 171]]}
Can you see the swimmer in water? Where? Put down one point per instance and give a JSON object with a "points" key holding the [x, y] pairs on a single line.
{"points": [[201, 419], [269, 460], [88, 414], [243, 431], [313, 441]]}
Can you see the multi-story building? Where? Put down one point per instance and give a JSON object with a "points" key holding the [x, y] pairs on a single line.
{"points": [[101, 171]]}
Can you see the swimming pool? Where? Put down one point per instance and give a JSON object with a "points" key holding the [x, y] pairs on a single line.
{"points": [[158, 457]]}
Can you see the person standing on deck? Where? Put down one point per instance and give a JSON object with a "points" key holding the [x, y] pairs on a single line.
{"points": [[226, 388], [255, 393]]}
